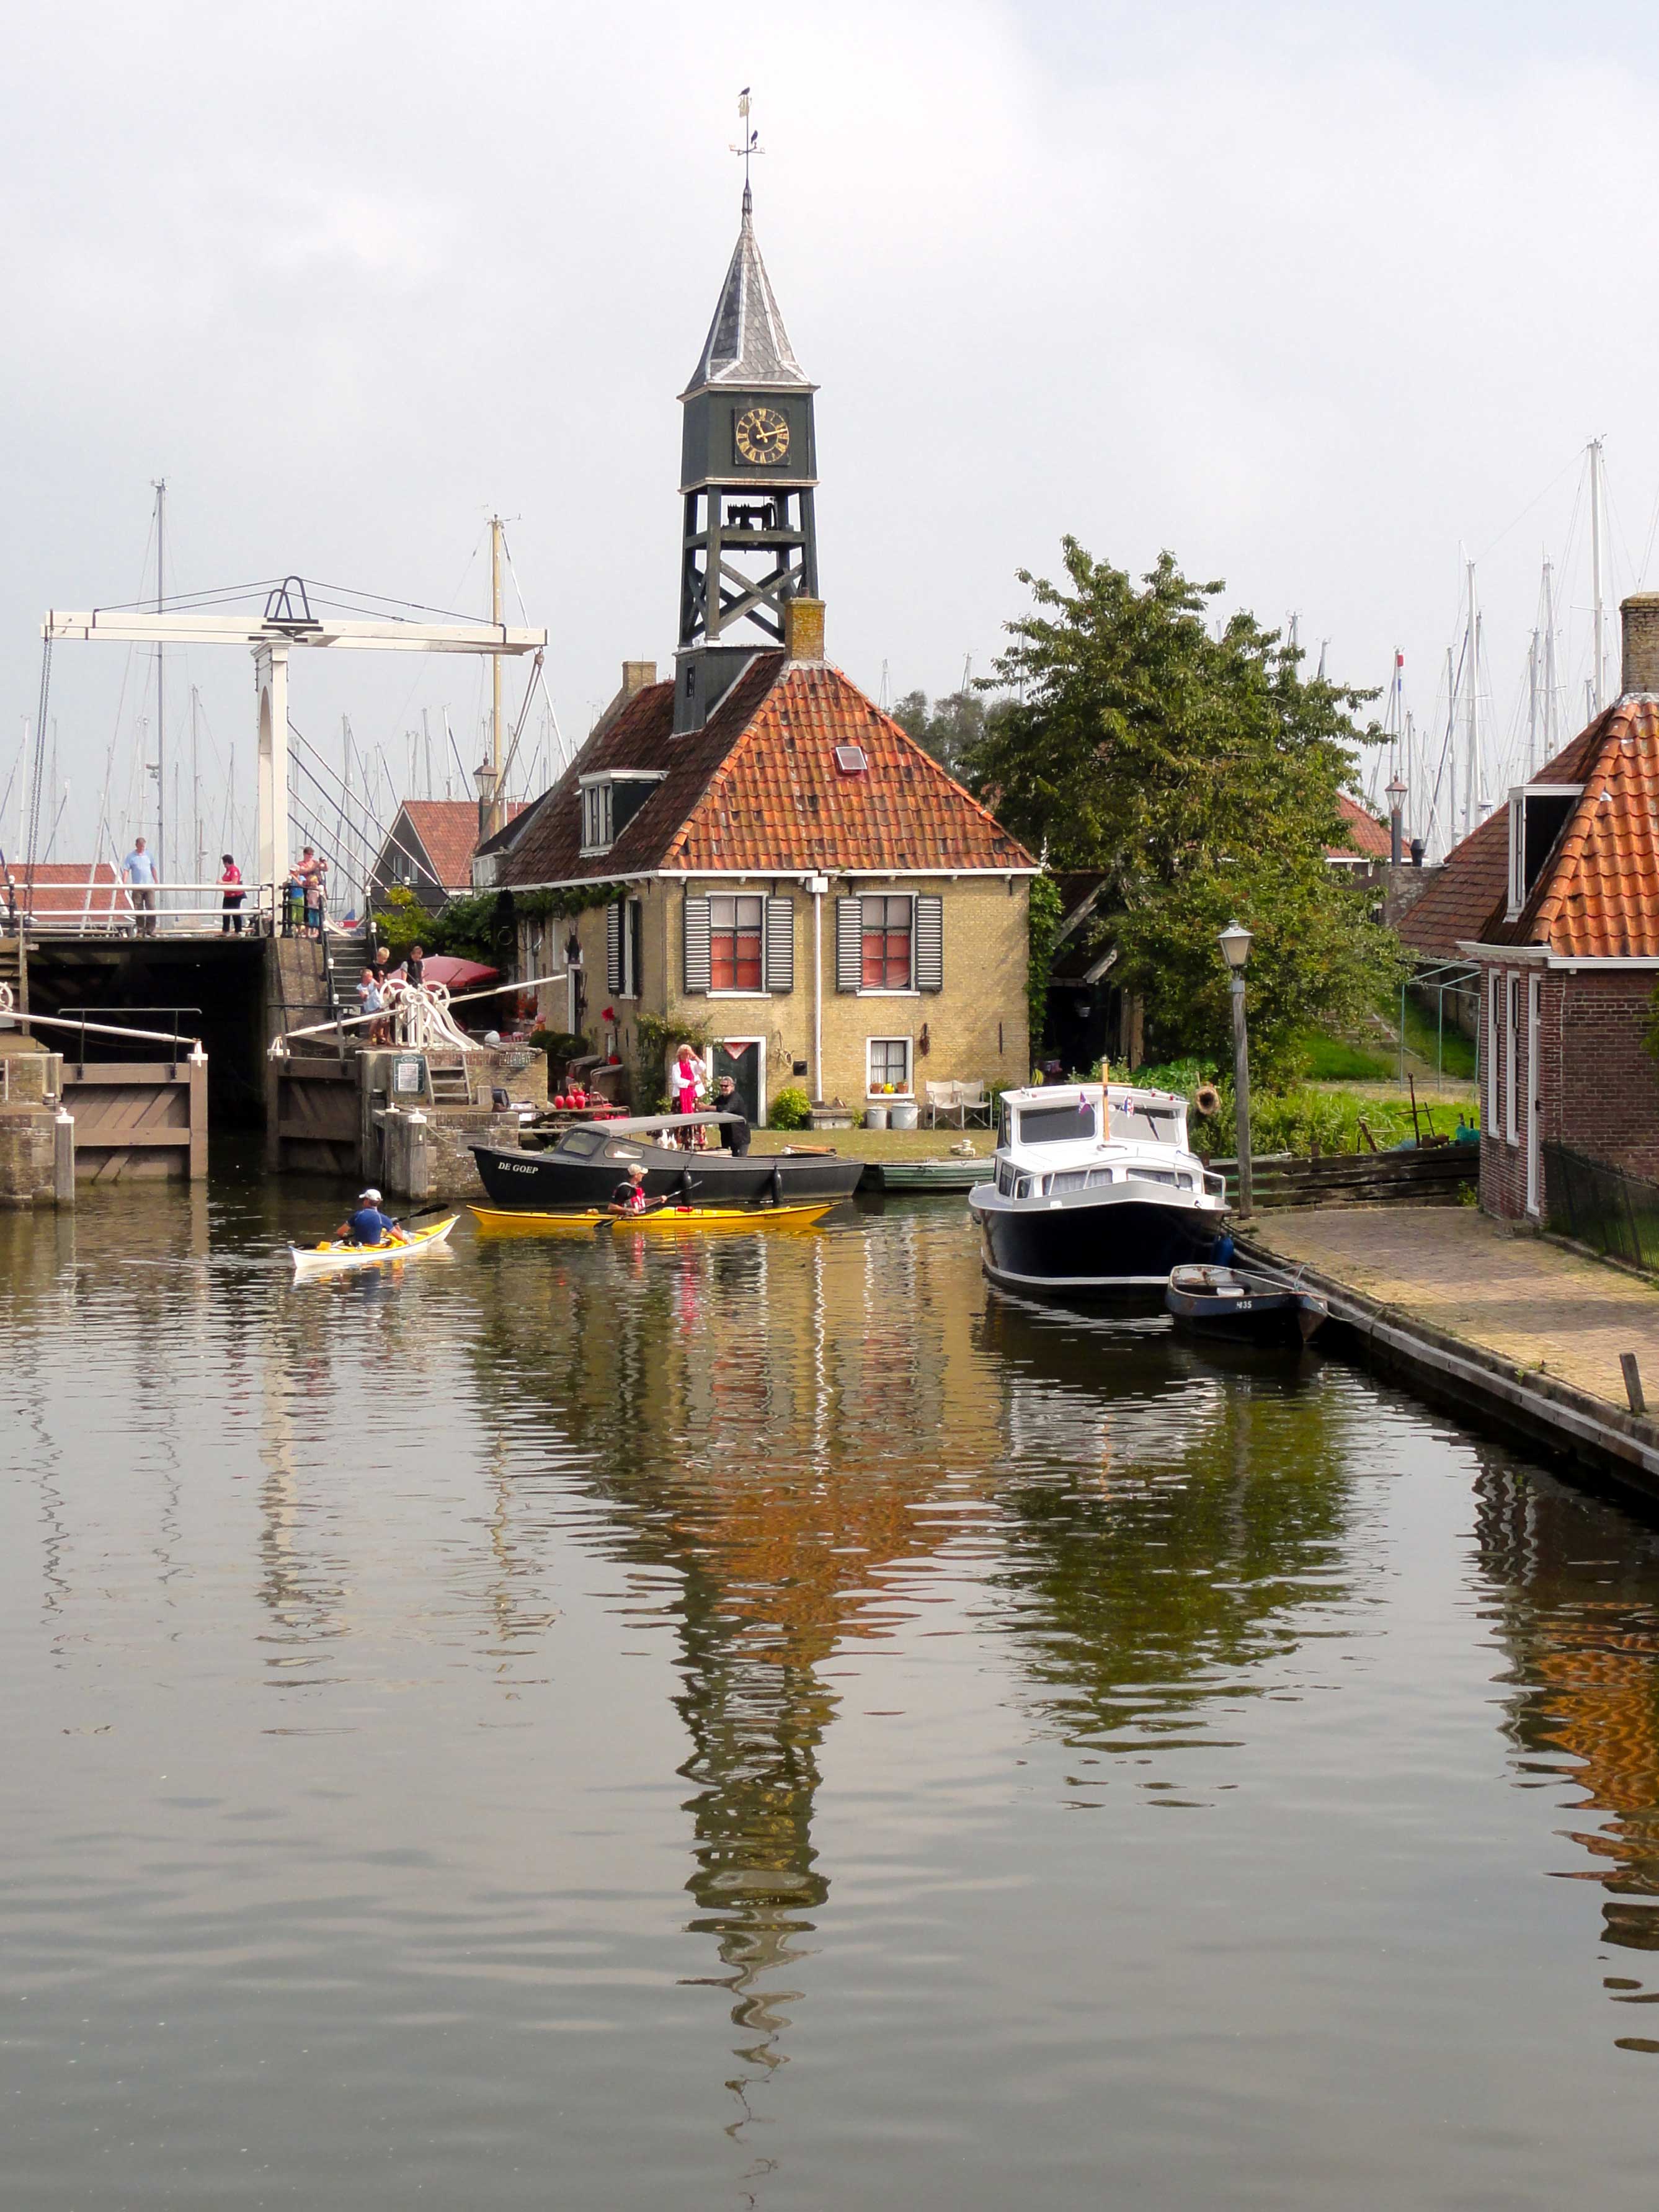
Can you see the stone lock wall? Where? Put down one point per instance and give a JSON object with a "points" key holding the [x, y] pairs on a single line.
{"points": [[27, 1143]]}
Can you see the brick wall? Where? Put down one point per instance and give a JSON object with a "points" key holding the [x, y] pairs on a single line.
{"points": [[976, 1026], [1598, 1089]]}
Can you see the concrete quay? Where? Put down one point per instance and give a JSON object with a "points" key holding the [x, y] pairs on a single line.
{"points": [[1487, 1321]]}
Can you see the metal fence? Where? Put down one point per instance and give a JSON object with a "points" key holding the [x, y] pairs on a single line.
{"points": [[1614, 1213]]}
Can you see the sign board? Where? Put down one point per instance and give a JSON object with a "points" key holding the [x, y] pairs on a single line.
{"points": [[408, 1076]]}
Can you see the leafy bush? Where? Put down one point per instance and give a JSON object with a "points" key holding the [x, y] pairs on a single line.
{"points": [[559, 1045], [791, 1109]]}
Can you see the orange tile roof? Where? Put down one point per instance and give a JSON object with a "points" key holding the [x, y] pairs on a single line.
{"points": [[1366, 835], [1598, 893], [448, 831], [68, 896], [758, 789]]}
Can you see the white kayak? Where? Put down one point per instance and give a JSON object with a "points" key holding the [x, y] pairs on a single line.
{"points": [[327, 1259]]}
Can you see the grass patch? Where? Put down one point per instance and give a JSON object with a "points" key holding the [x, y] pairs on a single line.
{"points": [[1423, 1039], [1339, 1060]]}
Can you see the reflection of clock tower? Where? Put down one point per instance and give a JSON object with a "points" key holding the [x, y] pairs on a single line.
{"points": [[747, 472]]}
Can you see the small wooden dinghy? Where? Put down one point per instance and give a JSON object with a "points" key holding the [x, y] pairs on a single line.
{"points": [[328, 1259], [1242, 1309]]}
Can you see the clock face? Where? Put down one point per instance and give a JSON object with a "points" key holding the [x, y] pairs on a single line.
{"points": [[761, 436]]}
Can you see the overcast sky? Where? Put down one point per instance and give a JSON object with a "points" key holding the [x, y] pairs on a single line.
{"points": [[1318, 297]]}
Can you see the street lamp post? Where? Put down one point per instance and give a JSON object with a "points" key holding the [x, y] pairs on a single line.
{"points": [[1236, 942], [1396, 788]]}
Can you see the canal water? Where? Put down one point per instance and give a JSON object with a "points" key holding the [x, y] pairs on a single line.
{"points": [[771, 1723]]}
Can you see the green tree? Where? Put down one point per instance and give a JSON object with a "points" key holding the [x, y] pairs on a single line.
{"points": [[1201, 773], [950, 728]]}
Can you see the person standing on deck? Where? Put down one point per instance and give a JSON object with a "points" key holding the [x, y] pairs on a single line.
{"points": [[684, 1080], [139, 870], [230, 877], [736, 1133]]}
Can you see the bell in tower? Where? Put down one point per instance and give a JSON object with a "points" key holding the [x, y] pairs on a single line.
{"points": [[748, 471]]}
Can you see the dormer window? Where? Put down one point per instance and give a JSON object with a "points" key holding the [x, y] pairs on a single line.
{"points": [[1538, 815], [609, 800]]}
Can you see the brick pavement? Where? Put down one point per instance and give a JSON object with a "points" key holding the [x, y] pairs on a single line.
{"points": [[1532, 1303]]}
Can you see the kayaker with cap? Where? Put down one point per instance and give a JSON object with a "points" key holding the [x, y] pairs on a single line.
{"points": [[368, 1225], [629, 1197]]}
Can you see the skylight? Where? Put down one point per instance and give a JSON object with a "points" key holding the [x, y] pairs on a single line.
{"points": [[851, 760]]}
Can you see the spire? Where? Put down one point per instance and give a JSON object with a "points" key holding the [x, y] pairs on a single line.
{"points": [[747, 345]]}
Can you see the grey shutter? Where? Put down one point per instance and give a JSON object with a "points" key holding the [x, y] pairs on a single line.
{"points": [[930, 944], [699, 967], [613, 960], [779, 944], [849, 944]]}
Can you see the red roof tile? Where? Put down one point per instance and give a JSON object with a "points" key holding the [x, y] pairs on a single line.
{"points": [[1598, 893], [1366, 835], [448, 831], [69, 896], [759, 789]]}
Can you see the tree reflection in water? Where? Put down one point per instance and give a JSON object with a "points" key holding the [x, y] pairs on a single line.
{"points": [[1577, 1591], [789, 1427]]}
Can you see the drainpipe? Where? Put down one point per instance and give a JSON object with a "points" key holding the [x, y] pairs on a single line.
{"points": [[817, 885]]}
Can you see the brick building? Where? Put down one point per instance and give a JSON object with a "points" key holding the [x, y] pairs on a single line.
{"points": [[1555, 900], [772, 860], [429, 850]]}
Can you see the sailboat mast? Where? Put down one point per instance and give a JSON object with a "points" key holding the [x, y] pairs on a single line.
{"points": [[1595, 575], [1549, 659], [497, 814], [1451, 751], [1472, 713], [161, 490], [195, 785], [1532, 706]]}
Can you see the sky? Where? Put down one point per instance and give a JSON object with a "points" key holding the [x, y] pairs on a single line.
{"points": [[1326, 302]]}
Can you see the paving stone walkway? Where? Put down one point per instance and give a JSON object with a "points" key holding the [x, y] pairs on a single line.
{"points": [[1529, 1302]]}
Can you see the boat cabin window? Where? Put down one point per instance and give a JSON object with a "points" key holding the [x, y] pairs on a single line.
{"points": [[618, 1149], [583, 1142], [1143, 1124], [1057, 1125]]}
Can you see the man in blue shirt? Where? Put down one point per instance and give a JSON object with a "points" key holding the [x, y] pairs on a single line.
{"points": [[138, 869], [368, 1225]]}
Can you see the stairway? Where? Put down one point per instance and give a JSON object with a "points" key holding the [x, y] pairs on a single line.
{"points": [[450, 1084], [343, 962]]}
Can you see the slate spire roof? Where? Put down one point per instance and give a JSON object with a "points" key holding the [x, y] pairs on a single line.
{"points": [[747, 343]]}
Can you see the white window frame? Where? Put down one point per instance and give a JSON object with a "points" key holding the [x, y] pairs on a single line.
{"points": [[875, 1098], [887, 990], [759, 899], [598, 796], [1489, 1122], [1519, 889], [1511, 1040]]}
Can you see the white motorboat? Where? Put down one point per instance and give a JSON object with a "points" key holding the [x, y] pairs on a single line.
{"points": [[1097, 1192]]}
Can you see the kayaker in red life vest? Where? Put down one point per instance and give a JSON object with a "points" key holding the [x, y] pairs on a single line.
{"points": [[629, 1197]]}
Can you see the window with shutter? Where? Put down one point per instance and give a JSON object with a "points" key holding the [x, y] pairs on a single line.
{"points": [[849, 944], [735, 956], [930, 944], [779, 944], [697, 944], [613, 946], [884, 951]]}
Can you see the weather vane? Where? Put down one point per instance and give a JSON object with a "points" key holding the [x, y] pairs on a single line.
{"points": [[750, 144]]}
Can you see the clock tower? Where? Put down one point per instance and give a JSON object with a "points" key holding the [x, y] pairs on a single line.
{"points": [[748, 471]]}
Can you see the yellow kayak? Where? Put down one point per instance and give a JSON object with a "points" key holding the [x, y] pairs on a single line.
{"points": [[320, 1259], [520, 1221]]}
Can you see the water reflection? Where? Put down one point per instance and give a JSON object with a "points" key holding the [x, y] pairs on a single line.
{"points": [[1577, 1613]]}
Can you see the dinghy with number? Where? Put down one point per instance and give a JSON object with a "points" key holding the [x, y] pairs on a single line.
{"points": [[1237, 1307]]}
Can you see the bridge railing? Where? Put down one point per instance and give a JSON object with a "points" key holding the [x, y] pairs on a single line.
{"points": [[96, 906]]}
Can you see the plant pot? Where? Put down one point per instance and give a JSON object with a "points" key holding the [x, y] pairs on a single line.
{"points": [[875, 1117], [901, 1114]]}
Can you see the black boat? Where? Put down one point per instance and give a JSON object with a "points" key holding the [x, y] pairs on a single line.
{"points": [[586, 1163], [1242, 1309]]}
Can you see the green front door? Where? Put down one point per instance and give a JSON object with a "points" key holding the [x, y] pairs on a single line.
{"points": [[742, 1063]]}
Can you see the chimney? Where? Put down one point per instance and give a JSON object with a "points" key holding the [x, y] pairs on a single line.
{"points": [[803, 629], [637, 675], [1639, 614]]}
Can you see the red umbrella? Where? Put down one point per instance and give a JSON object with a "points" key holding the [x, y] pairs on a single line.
{"points": [[460, 974]]}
